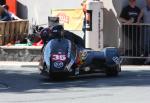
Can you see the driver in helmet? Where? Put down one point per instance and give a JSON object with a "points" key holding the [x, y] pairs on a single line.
{"points": [[57, 31], [51, 32]]}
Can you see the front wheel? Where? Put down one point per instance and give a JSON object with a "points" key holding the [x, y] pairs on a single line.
{"points": [[58, 76], [112, 71]]}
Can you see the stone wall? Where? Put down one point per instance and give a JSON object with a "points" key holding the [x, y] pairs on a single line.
{"points": [[30, 54]]}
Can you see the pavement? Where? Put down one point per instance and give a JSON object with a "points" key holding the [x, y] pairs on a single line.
{"points": [[16, 63], [35, 64], [21, 47]]}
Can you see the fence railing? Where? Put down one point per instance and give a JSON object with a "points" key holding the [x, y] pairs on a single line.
{"points": [[135, 40], [11, 31]]}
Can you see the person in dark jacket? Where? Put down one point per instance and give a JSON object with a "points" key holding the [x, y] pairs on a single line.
{"points": [[58, 31], [12, 15], [128, 17], [4, 16]]}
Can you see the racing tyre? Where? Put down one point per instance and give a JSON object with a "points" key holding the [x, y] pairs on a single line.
{"points": [[112, 71], [57, 76], [52, 76]]}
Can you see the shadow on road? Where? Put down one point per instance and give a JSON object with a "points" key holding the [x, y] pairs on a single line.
{"points": [[25, 82]]}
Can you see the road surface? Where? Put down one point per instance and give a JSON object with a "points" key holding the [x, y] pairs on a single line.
{"points": [[24, 84]]}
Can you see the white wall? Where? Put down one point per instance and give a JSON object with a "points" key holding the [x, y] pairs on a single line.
{"points": [[39, 10]]}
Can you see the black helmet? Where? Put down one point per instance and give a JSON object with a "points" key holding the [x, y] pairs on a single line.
{"points": [[57, 29]]}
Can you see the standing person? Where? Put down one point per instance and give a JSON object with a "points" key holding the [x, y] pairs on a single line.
{"points": [[129, 15], [145, 14], [83, 4]]}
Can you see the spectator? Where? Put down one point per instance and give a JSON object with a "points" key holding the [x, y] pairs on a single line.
{"points": [[12, 15], [83, 4], [4, 16], [129, 15], [145, 14]]}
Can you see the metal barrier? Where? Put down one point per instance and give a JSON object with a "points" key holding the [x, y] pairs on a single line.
{"points": [[135, 40]]}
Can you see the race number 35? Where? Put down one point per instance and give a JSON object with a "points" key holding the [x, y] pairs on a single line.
{"points": [[58, 57]]}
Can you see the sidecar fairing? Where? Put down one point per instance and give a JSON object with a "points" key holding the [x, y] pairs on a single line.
{"points": [[62, 57], [106, 61]]}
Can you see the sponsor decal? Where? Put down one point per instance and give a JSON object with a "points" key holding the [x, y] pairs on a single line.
{"points": [[117, 60], [70, 64], [83, 55], [58, 64], [72, 19], [63, 17]]}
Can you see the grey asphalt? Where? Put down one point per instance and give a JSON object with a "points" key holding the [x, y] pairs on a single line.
{"points": [[22, 83]]}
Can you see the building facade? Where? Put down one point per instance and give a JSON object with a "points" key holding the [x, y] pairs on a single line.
{"points": [[37, 12]]}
